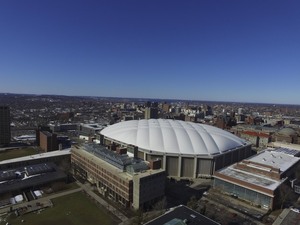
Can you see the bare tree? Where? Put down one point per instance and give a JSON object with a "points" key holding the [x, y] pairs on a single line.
{"points": [[160, 205], [138, 218], [285, 195], [193, 203]]}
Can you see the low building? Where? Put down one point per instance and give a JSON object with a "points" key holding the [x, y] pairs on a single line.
{"points": [[127, 180], [63, 127], [90, 129], [60, 158], [288, 217], [182, 215], [63, 142], [257, 138], [287, 134], [258, 179], [25, 177]]}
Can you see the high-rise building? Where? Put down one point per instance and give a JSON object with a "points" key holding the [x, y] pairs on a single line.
{"points": [[4, 125], [151, 113], [48, 141], [166, 107], [151, 110], [37, 133]]}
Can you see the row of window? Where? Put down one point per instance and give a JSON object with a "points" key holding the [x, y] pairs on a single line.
{"points": [[110, 180], [244, 193]]}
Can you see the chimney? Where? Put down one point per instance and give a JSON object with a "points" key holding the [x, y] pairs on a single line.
{"points": [[121, 151], [155, 164]]}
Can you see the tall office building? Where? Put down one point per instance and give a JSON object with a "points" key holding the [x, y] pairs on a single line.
{"points": [[4, 125], [151, 110], [48, 141]]}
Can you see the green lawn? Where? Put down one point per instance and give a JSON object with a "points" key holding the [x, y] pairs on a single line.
{"points": [[73, 209], [16, 153]]}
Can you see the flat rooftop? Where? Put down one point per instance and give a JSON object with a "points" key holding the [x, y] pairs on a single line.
{"points": [[127, 168], [47, 133], [107, 166], [278, 144], [271, 158], [276, 159], [29, 176], [94, 126], [289, 151], [180, 214], [250, 178], [38, 156]]}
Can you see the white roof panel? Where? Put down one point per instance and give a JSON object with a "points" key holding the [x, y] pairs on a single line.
{"points": [[275, 159], [173, 136]]}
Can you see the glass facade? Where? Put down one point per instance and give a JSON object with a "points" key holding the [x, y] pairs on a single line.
{"points": [[244, 193], [297, 188]]}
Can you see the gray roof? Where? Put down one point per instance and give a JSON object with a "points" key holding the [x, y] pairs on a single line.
{"points": [[182, 213]]}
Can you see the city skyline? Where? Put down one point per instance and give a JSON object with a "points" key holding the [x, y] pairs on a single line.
{"points": [[237, 51]]}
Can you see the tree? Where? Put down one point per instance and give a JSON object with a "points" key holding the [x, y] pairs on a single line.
{"points": [[203, 210], [193, 203], [285, 195], [138, 218], [160, 205]]}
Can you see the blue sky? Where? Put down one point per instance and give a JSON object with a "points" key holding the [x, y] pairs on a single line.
{"points": [[226, 50]]}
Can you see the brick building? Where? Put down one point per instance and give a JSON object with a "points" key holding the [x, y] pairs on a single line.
{"points": [[287, 134], [257, 138], [48, 141], [126, 180]]}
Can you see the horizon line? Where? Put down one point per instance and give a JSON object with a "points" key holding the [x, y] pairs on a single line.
{"points": [[150, 98]]}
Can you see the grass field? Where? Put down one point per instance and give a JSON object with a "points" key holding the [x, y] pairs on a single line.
{"points": [[15, 153], [73, 209]]}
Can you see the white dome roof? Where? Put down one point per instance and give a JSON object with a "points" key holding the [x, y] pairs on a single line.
{"points": [[173, 136]]}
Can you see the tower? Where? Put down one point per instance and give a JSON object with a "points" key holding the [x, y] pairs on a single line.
{"points": [[151, 110], [4, 125]]}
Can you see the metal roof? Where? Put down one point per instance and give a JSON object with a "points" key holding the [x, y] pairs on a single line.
{"points": [[275, 159], [288, 151], [37, 156]]}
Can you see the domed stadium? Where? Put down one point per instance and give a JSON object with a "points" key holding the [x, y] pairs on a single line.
{"points": [[186, 149]]}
